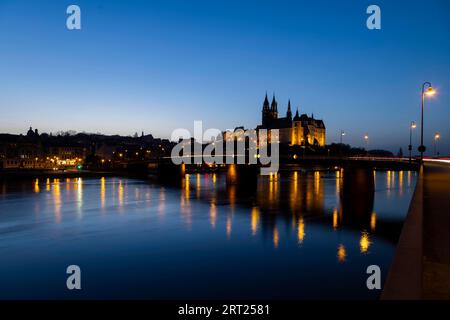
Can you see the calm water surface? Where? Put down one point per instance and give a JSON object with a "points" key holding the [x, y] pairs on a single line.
{"points": [[291, 237]]}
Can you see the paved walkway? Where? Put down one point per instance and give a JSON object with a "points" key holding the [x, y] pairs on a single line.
{"points": [[436, 231], [421, 266]]}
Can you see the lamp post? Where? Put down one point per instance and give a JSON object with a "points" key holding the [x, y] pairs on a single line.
{"points": [[342, 135], [411, 127], [428, 90], [437, 137], [340, 144], [366, 138]]}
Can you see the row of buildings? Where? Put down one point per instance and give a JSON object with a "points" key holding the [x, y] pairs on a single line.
{"points": [[44, 151]]}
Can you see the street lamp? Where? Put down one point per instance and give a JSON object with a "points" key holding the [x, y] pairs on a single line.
{"points": [[428, 90], [342, 135], [366, 138], [437, 137], [411, 127]]}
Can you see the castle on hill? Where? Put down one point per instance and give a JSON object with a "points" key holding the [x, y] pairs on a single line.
{"points": [[293, 130]]}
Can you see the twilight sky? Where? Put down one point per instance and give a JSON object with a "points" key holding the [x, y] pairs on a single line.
{"points": [[160, 65]]}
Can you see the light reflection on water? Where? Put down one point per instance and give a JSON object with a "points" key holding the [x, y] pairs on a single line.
{"points": [[293, 236]]}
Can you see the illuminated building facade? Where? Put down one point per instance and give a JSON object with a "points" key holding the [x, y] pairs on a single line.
{"points": [[293, 130]]}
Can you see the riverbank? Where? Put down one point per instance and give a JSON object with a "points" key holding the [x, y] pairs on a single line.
{"points": [[39, 174]]}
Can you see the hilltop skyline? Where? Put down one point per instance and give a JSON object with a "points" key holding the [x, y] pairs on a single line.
{"points": [[140, 66]]}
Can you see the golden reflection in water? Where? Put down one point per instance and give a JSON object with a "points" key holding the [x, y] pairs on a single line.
{"points": [[276, 237], [103, 192], [47, 185], [409, 179], [335, 219], [400, 182], [373, 221], [214, 179], [185, 204], [393, 179], [68, 184], [300, 230], [187, 188], [364, 242], [57, 200], [316, 183], [229, 226], [232, 196], [120, 193], [79, 187], [36, 186], [341, 253], [255, 220], [198, 185], [388, 182], [294, 195], [273, 187], [374, 178], [213, 214], [338, 182]]}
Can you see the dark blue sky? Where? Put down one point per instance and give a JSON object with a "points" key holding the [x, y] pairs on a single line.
{"points": [[160, 65]]}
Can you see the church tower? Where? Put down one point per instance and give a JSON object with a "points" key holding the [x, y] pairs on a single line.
{"points": [[266, 114], [274, 108], [289, 112]]}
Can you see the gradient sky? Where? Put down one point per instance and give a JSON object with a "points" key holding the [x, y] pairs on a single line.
{"points": [[160, 65]]}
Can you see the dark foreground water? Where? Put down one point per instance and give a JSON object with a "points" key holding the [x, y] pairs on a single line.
{"points": [[292, 237]]}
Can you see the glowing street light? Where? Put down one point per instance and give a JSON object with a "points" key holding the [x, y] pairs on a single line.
{"points": [[427, 90], [437, 137], [342, 135], [366, 138], [411, 127]]}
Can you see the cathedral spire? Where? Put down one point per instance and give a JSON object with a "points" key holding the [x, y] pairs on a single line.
{"points": [[274, 104], [289, 112], [266, 103], [297, 117]]}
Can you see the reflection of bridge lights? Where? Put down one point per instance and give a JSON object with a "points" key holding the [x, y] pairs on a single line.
{"points": [[373, 221], [276, 237], [335, 219], [364, 242], [301, 230], [213, 214], [120, 193], [341, 253], [400, 182], [255, 220], [57, 200], [198, 185], [229, 225], [103, 192], [36, 186], [317, 182]]}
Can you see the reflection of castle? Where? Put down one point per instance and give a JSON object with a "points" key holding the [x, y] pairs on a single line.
{"points": [[297, 130]]}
